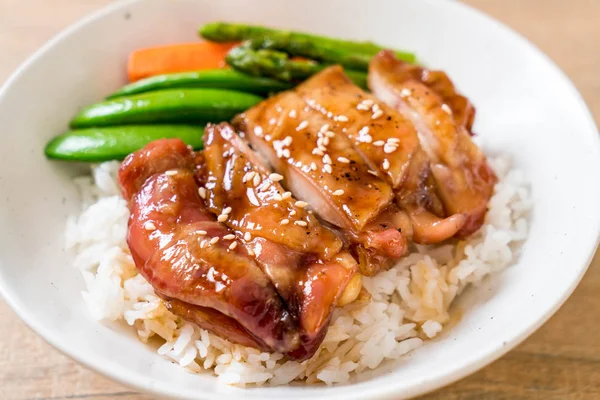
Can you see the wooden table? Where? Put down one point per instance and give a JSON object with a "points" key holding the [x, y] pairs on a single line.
{"points": [[560, 361]]}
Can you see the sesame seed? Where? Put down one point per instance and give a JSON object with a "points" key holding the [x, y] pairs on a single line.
{"points": [[226, 210], [330, 134], [256, 180], [393, 140], [405, 92], [377, 114], [201, 232], [230, 236], [272, 121], [285, 153], [389, 148], [362, 107], [171, 172], [322, 148], [287, 140], [277, 197], [327, 159], [212, 179], [301, 223], [247, 236], [232, 245], [324, 128], [318, 152], [275, 177], [292, 113], [214, 240], [368, 102], [300, 204], [250, 225], [320, 141], [327, 168], [378, 143], [248, 176], [222, 217], [342, 118], [364, 130], [372, 172], [202, 244], [286, 195], [325, 140], [313, 166], [149, 226], [302, 125], [338, 192], [258, 131], [446, 108], [343, 160], [284, 221], [385, 165], [375, 107], [268, 138], [202, 192]]}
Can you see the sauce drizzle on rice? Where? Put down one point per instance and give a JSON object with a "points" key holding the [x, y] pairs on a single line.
{"points": [[409, 303]]}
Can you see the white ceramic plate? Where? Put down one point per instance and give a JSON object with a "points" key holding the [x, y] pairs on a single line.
{"points": [[526, 107]]}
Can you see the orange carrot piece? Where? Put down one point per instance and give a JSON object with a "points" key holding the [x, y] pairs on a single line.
{"points": [[177, 58]]}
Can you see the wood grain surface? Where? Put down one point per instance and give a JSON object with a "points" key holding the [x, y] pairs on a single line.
{"points": [[560, 361]]}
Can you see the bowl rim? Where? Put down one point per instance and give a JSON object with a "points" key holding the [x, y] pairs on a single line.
{"points": [[381, 392]]}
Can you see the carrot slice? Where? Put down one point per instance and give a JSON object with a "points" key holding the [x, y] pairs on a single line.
{"points": [[180, 57]]}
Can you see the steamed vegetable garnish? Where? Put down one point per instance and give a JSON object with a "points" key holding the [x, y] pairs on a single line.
{"points": [[276, 64], [176, 58], [355, 55], [212, 78], [116, 142], [173, 105]]}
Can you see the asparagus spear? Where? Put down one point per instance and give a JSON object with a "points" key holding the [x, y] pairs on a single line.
{"points": [[276, 64], [354, 55]]}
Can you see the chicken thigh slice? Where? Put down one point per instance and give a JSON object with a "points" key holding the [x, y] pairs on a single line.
{"points": [[186, 254], [465, 180]]}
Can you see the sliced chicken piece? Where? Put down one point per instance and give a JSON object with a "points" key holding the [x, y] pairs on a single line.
{"points": [[185, 254], [389, 143], [319, 167], [255, 202], [214, 321], [301, 256], [463, 110], [464, 178], [384, 138], [323, 169]]}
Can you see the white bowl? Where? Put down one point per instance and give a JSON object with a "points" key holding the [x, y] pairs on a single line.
{"points": [[526, 107]]}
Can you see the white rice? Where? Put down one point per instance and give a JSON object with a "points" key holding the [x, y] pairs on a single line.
{"points": [[410, 302]]}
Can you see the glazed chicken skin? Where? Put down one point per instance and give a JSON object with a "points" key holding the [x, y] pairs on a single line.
{"points": [[301, 257], [443, 120], [390, 144], [323, 170], [187, 255]]}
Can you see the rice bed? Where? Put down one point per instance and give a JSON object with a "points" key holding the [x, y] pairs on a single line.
{"points": [[409, 305]]}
